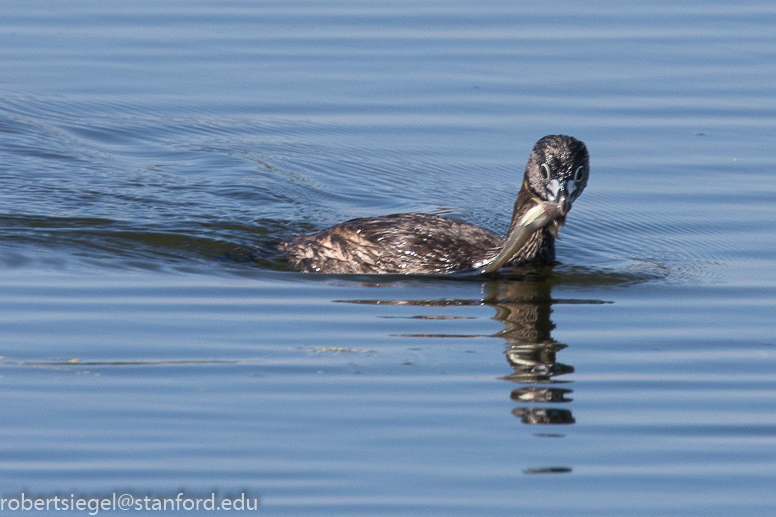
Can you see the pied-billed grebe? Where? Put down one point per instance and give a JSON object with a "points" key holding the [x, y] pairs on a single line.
{"points": [[555, 175]]}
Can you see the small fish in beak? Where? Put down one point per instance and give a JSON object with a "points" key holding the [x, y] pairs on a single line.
{"points": [[535, 219]]}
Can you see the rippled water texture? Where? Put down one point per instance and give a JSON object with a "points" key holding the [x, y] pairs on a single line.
{"points": [[151, 153]]}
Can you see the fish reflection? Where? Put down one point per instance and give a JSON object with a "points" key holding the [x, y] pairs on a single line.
{"points": [[533, 394]]}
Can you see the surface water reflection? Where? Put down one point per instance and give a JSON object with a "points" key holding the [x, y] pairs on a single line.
{"points": [[524, 307]]}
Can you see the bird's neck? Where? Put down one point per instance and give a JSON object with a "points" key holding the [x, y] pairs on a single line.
{"points": [[541, 247]]}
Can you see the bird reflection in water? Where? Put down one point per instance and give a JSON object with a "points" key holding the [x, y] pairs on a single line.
{"points": [[524, 308]]}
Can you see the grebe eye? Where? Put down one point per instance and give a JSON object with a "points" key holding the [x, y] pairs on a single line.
{"points": [[545, 171], [579, 173]]}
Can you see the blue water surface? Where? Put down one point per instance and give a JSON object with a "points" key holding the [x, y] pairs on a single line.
{"points": [[144, 146]]}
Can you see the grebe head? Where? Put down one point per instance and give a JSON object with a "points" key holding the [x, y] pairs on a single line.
{"points": [[557, 170], [555, 175]]}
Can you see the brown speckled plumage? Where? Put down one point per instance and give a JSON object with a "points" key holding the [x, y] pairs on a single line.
{"points": [[430, 244]]}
